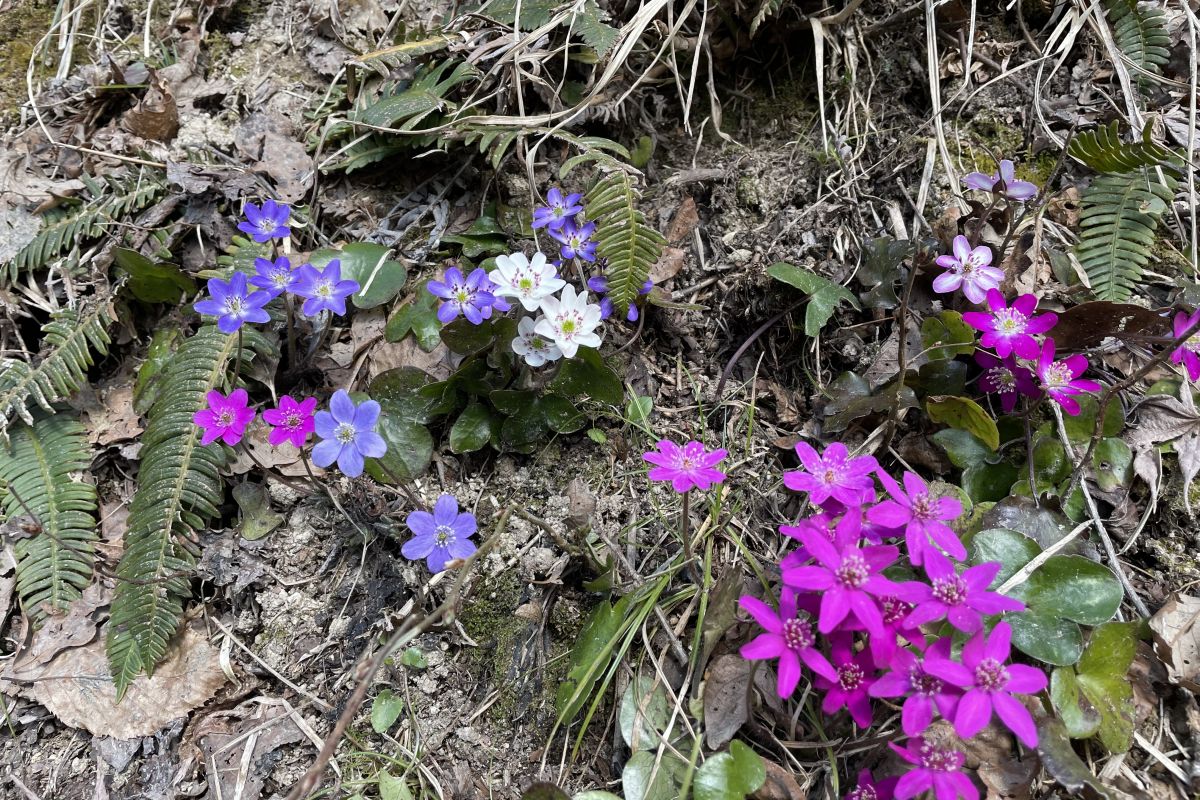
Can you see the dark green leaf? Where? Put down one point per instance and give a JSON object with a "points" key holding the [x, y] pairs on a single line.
{"points": [[1080, 426], [730, 776], [940, 377], [560, 414], [1049, 639], [644, 713], [153, 281], [385, 710], [1011, 549], [1102, 679], [1112, 463], [379, 280], [162, 345], [962, 447], [645, 777], [965, 414], [544, 791], [419, 317], [587, 374], [946, 336], [1063, 764], [824, 294], [410, 448], [466, 339], [474, 428], [393, 788], [589, 656], [257, 517], [1075, 588], [984, 482]]}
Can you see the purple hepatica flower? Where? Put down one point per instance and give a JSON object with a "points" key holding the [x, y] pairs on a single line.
{"points": [[442, 536], [962, 599], [231, 304], [274, 277], [1003, 183], [225, 418], [323, 290], [1060, 379], [1188, 353], [348, 434], [833, 474], [576, 240], [968, 269], [687, 467], [855, 676], [1010, 330], [938, 769], [920, 514], [464, 296], [786, 637], [1006, 379], [599, 285], [868, 788], [557, 211], [269, 222], [990, 685], [290, 421], [923, 692], [847, 576]]}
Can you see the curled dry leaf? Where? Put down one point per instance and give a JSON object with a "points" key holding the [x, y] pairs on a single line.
{"points": [[155, 116], [1176, 629], [780, 785]]}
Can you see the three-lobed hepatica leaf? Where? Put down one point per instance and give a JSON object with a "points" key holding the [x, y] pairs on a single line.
{"points": [[1093, 698], [965, 414], [824, 295], [1060, 595], [153, 281], [379, 278], [419, 317], [986, 476], [945, 336], [587, 374]]}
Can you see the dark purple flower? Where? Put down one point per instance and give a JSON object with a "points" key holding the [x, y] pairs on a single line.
{"points": [[1060, 379], [599, 285], [558, 210], [442, 536], [290, 421], [938, 769], [990, 685], [924, 693], [833, 474], [868, 788], [1006, 379], [1010, 329], [348, 434], [576, 240], [225, 418], [962, 599], [687, 467], [232, 305], [855, 676], [1188, 353], [323, 290], [266, 223], [787, 637], [847, 576], [274, 277], [1003, 183], [920, 514], [466, 296]]}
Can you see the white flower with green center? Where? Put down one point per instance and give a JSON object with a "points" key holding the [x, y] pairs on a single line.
{"points": [[570, 321], [535, 349], [528, 281]]}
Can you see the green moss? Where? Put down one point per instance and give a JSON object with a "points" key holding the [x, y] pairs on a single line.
{"points": [[21, 27], [1004, 141]]}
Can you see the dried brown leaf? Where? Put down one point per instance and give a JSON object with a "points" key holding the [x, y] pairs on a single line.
{"points": [[726, 699], [1177, 639]]}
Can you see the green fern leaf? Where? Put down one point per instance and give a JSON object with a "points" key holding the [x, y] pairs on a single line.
{"points": [[363, 153], [1102, 150], [397, 55], [1140, 32], [630, 246], [595, 32], [405, 106], [67, 342], [1117, 222], [768, 8], [54, 565], [534, 13], [179, 488]]}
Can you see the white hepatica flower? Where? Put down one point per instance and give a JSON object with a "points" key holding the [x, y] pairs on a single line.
{"points": [[535, 349], [530, 282], [570, 321]]}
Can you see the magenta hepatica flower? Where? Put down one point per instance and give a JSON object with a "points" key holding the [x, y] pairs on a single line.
{"points": [[847, 576], [576, 240], [323, 290], [1003, 183], [924, 693], [868, 788], [274, 277], [266, 223], [441, 536], [290, 421], [990, 685], [787, 637], [348, 434], [1060, 379], [1188, 353], [938, 769], [535, 349], [570, 321], [1010, 329], [833, 474], [225, 418], [232, 303], [687, 467], [530, 282], [463, 295], [1005, 378], [557, 211], [963, 599], [968, 269], [920, 514], [849, 690]]}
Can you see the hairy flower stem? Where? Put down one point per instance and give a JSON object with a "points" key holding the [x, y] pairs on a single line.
{"points": [[685, 535], [291, 331], [237, 363], [1029, 452], [889, 430]]}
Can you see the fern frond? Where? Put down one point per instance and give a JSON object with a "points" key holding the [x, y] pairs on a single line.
{"points": [[405, 106], [241, 252], [1140, 32], [630, 246], [55, 565], [596, 33], [767, 8], [111, 199], [397, 55], [61, 367], [1102, 150], [1117, 221], [370, 150], [179, 489]]}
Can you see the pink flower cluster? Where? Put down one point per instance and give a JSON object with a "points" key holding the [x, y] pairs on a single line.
{"points": [[226, 418], [863, 635]]}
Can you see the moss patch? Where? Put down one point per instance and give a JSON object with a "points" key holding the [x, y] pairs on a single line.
{"points": [[21, 27], [988, 133]]}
